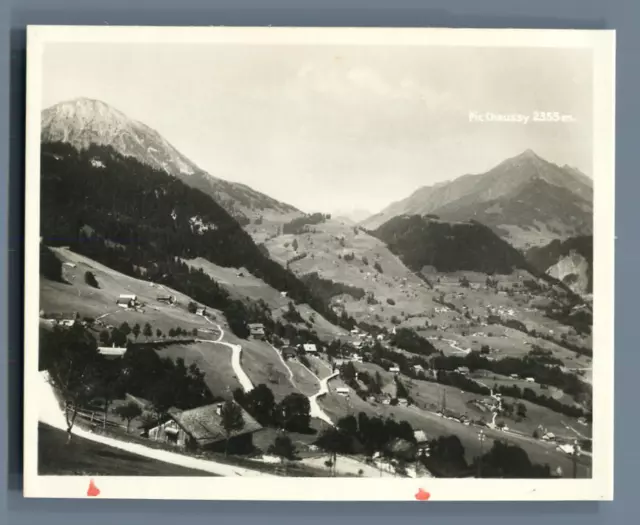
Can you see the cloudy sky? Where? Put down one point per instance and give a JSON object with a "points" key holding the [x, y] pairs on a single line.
{"points": [[337, 128]]}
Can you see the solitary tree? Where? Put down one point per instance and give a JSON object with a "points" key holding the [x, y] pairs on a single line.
{"points": [[105, 337], [294, 412], [232, 421], [128, 412], [125, 329], [522, 410], [147, 332], [158, 333], [192, 307], [162, 396], [136, 330], [284, 448], [260, 403], [72, 361]]}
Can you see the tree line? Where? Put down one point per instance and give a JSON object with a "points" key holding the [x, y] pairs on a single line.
{"points": [[142, 225]]}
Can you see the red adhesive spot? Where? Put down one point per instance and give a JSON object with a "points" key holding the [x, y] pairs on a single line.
{"points": [[93, 490], [422, 495]]}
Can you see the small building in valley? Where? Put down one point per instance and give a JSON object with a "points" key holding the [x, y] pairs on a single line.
{"points": [[201, 310], [342, 391], [420, 437], [127, 300], [394, 370], [463, 370], [112, 352], [202, 428], [256, 330], [310, 348], [167, 299], [288, 352]]}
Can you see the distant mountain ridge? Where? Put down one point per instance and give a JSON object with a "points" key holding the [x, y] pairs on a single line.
{"points": [[525, 199], [83, 122]]}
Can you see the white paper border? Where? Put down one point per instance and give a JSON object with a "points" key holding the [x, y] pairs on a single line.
{"points": [[599, 487]]}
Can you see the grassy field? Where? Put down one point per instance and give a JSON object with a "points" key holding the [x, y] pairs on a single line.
{"points": [[429, 396], [77, 296], [323, 368], [434, 425], [82, 457], [327, 245], [304, 380], [243, 285], [213, 359], [263, 366]]}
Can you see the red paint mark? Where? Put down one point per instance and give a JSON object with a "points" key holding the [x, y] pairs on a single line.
{"points": [[422, 495], [93, 490]]}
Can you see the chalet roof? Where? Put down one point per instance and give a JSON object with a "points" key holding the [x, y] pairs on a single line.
{"points": [[256, 326], [142, 403], [204, 424]]}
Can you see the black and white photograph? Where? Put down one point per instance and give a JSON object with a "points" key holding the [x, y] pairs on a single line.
{"points": [[380, 260]]}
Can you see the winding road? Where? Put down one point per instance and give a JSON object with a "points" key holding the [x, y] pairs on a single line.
{"points": [[236, 351], [314, 408], [50, 413], [453, 344]]}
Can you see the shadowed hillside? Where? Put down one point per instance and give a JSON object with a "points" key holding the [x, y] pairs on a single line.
{"points": [[449, 247]]}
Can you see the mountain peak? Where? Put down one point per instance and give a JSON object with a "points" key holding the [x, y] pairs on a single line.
{"points": [[83, 122], [529, 154], [84, 109]]}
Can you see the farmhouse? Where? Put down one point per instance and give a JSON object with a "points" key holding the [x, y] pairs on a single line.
{"points": [[112, 352], [202, 428], [342, 391], [167, 299], [288, 352], [463, 370], [127, 300], [394, 369], [310, 348], [418, 368], [530, 380], [64, 319], [256, 330]]}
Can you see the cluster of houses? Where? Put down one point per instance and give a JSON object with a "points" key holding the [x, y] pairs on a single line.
{"points": [[289, 352]]}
